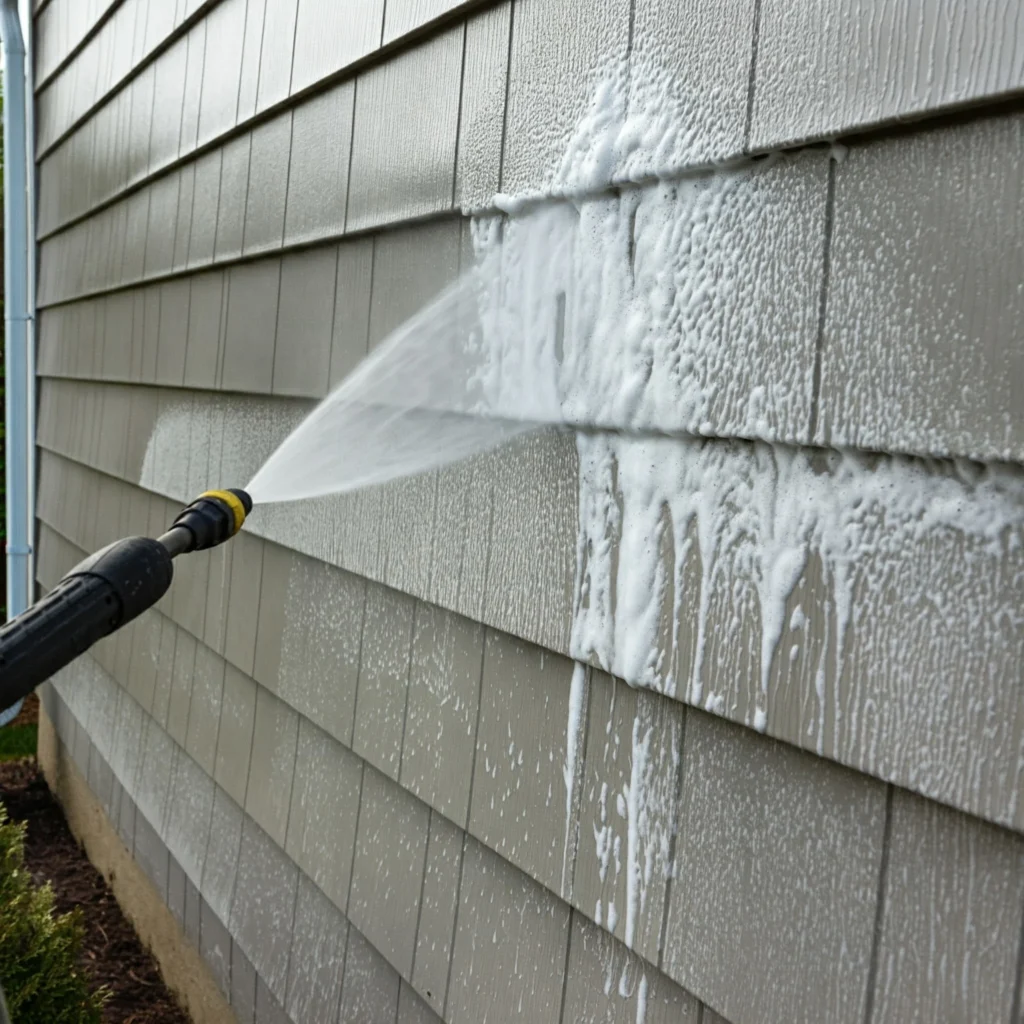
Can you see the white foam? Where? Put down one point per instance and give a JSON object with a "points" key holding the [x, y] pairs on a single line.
{"points": [[646, 309], [746, 519], [573, 746]]}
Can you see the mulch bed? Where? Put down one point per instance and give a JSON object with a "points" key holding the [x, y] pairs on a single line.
{"points": [[112, 954]]}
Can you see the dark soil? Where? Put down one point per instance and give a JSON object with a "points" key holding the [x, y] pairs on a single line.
{"points": [[112, 954]]}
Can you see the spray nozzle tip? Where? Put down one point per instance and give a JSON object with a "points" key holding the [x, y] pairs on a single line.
{"points": [[243, 497], [214, 517]]}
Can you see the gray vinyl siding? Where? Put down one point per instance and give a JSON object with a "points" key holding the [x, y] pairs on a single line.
{"points": [[337, 746]]}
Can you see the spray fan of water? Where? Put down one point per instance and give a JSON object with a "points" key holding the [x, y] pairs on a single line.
{"points": [[460, 377], [633, 311], [412, 405]]}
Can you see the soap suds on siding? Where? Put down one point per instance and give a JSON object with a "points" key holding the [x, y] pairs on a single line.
{"points": [[573, 751], [684, 306], [698, 561], [746, 521]]}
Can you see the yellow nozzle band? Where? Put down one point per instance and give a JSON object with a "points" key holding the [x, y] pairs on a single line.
{"points": [[232, 501]]}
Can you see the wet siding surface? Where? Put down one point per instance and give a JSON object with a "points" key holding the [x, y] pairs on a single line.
{"points": [[379, 754]]}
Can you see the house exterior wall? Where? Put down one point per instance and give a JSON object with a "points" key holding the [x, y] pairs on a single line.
{"points": [[361, 751]]}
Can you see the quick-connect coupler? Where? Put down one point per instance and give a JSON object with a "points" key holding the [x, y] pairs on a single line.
{"points": [[214, 517]]}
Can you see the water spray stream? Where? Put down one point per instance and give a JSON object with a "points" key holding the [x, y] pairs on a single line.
{"points": [[466, 373]]}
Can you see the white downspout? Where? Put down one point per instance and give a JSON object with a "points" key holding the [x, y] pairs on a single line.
{"points": [[19, 376], [28, 38]]}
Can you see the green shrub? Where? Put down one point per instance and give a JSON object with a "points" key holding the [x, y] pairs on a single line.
{"points": [[39, 970]]}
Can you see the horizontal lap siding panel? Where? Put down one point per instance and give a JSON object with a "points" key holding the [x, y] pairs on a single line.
{"points": [[313, 41], [891, 700], [60, 29], [705, 824], [396, 645], [951, 861], [826, 69], [260, 195], [125, 41], [335, 301], [921, 346], [537, 941], [220, 838], [689, 66], [301, 972], [255, 69]]}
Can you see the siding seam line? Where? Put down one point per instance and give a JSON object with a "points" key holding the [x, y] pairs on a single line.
{"points": [[677, 801], [355, 839], [188, 716], [187, 256], [298, 870], [199, 102], [508, 85], [248, 773], [341, 969], [202, 263], [359, 671], [348, 177], [334, 311], [245, 205], [826, 279], [209, 825], [259, 67], [416, 602], [241, 59], [280, 272], [423, 885], [472, 779], [291, 66], [1018, 993], [188, 339], [149, 162], [578, 784], [455, 923], [177, 221], [181, 113], [222, 339], [752, 79], [876, 933], [565, 967], [458, 118]]}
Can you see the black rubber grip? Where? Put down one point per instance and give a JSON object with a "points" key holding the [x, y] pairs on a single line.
{"points": [[97, 597]]}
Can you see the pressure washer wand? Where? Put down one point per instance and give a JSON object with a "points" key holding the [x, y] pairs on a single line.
{"points": [[107, 591]]}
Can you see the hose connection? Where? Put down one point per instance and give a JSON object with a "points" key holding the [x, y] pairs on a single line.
{"points": [[214, 517]]}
